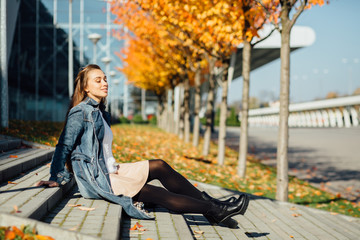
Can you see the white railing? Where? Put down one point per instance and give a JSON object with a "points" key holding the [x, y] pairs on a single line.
{"points": [[337, 112]]}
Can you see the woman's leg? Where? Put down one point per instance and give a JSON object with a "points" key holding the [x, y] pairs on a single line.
{"points": [[172, 201], [171, 179]]}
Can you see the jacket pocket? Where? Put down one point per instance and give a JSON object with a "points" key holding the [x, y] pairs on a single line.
{"points": [[77, 156]]}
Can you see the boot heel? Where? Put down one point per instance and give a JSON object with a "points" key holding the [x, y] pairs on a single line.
{"points": [[246, 204]]}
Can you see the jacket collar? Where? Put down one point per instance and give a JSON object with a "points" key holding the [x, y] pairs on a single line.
{"points": [[95, 104]]}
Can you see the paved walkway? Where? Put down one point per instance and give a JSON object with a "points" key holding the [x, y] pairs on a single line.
{"points": [[327, 158], [265, 219]]}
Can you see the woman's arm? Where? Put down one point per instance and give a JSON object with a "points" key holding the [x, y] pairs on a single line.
{"points": [[66, 144]]}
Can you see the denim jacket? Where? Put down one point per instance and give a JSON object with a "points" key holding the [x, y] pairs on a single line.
{"points": [[81, 141]]}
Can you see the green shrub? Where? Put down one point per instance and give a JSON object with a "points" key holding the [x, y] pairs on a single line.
{"points": [[153, 120], [138, 120], [124, 120]]}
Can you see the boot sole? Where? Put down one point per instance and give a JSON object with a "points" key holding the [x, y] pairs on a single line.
{"points": [[241, 211], [230, 223]]}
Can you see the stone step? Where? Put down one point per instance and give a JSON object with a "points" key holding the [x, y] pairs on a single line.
{"points": [[8, 143], [21, 198], [99, 219], [41, 228], [18, 161]]}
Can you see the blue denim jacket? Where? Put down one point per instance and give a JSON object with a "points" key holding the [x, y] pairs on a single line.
{"points": [[81, 142]]}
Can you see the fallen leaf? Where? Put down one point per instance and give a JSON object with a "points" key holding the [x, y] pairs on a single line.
{"points": [[9, 234], [86, 208], [291, 236], [258, 193], [41, 237], [198, 232], [293, 208], [296, 214], [195, 185], [74, 228], [74, 205], [48, 164], [10, 182], [136, 226], [13, 156], [334, 213], [149, 239], [16, 209]]}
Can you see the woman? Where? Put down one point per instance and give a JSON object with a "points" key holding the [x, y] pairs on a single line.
{"points": [[84, 148]]}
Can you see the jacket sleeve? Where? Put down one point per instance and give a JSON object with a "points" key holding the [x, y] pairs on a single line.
{"points": [[66, 144]]}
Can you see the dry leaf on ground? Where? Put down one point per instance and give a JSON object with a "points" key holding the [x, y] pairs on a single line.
{"points": [[74, 205], [86, 208], [136, 226]]}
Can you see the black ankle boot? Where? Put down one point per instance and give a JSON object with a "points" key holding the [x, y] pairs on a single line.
{"points": [[220, 212], [207, 197]]}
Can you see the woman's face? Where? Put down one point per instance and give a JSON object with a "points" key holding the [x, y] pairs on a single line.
{"points": [[97, 86]]}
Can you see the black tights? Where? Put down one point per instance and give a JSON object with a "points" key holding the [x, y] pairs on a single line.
{"points": [[179, 196]]}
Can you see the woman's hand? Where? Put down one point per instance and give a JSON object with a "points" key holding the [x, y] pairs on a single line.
{"points": [[47, 183]]}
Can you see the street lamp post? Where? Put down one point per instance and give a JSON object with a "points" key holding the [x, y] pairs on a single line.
{"points": [[116, 108], [112, 95], [94, 37], [106, 61]]}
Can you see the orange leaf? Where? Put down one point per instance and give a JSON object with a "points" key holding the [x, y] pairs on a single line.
{"points": [[136, 226], [41, 237], [195, 184], [17, 231], [317, 192], [9, 235], [10, 182], [258, 193], [13, 156], [74, 205]]}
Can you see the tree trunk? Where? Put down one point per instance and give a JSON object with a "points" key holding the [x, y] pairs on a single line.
{"points": [[182, 112], [160, 109], [196, 130], [177, 106], [171, 115], [164, 112], [223, 115], [283, 135], [186, 111], [246, 67], [210, 104]]}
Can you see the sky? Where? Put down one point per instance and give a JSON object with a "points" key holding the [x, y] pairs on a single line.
{"points": [[332, 63]]}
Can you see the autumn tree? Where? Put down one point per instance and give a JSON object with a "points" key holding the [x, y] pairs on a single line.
{"points": [[288, 11], [253, 20]]}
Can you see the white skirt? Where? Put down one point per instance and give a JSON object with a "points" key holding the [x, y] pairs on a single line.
{"points": [[130, 178]]}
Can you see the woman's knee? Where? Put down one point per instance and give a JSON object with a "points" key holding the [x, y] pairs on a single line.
{"points": [[158, 164]]}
